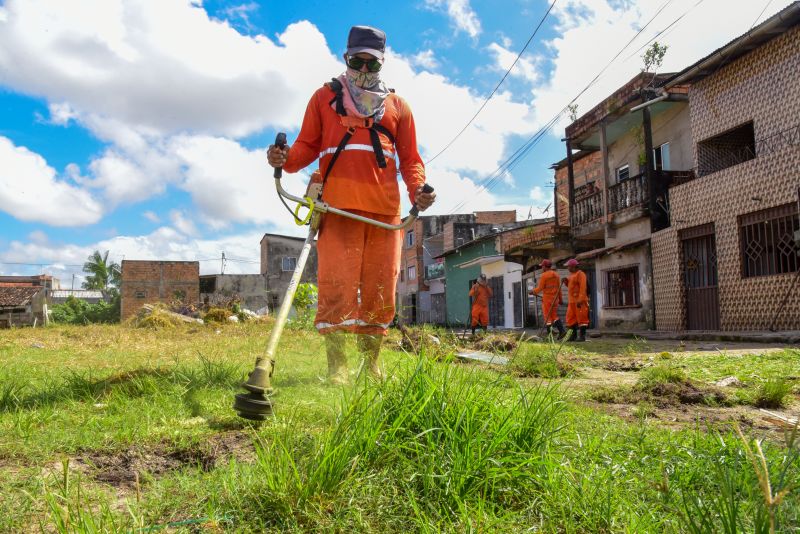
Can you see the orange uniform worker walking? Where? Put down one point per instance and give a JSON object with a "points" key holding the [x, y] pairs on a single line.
{"points": [[549, 287], [480, 293], [578, 303], [356, 126]]}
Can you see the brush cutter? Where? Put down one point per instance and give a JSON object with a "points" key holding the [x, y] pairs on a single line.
{"points": [[256, 404]]}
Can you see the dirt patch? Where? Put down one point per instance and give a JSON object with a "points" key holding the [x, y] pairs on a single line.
{"points": [[622, 366], [123, 469]]}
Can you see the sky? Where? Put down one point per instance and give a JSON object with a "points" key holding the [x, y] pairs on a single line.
{"points": [[140, 126]]}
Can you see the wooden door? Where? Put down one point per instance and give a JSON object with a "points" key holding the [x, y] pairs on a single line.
{"points": [[699, 259]]}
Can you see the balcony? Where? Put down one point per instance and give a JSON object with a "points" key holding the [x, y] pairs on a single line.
{"points": [[628, 193], [588, 209], [434, 271]]}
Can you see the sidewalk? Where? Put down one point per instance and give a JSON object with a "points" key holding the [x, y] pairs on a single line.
{"points": [[788, 337]]}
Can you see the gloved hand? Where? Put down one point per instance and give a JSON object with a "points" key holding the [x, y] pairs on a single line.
{"points": [[277, 157], [424, 200]]}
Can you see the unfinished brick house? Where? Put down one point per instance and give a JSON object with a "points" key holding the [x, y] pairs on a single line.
{"points": [[730, 255], [150, 282]]}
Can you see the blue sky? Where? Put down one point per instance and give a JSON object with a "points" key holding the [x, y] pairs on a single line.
{"points": [[139, 128]]}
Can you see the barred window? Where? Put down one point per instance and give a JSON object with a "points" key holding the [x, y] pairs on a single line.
{"points": [[622, 287], [288, 264], [766, 241]]}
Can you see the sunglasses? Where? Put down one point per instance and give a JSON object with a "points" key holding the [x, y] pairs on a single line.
{"points": [[373, 65]]}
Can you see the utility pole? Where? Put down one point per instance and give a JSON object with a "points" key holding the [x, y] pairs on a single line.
{"points": [[222, 264], [73, 281]]}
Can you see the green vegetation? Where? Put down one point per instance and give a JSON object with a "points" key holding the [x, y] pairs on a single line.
{"points": [[772, 393], [108, 428], [78, 312]]}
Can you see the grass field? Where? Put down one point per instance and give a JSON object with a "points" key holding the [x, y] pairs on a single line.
{"points": [[118, 429]]}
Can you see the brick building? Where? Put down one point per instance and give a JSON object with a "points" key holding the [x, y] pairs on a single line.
{"points": [[150, 282], [730, 255]]}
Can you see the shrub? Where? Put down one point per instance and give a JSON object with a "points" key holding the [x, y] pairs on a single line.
{"points": [[772, 393], [217, 315], [76, 311]]}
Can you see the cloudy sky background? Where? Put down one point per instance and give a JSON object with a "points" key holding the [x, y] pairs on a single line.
{"points": [[139, 127]]}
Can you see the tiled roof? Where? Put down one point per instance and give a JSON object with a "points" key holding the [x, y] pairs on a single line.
{"points": [[17, 296]]}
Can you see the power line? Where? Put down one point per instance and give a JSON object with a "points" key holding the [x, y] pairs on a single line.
{"points": [[526, 147], [665, 30], [496, 87]]}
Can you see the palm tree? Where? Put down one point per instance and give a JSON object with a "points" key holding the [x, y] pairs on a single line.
{"points": [[102, 274]]}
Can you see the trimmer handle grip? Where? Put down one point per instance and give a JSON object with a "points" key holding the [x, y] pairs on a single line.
{"points": [[427, 188], [280, 142]]}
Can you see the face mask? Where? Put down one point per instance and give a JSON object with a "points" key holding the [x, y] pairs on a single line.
{"points": [[363, 80]]}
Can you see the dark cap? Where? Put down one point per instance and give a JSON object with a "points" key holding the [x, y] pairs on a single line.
{"points": [[546, 263], [366, 39], [483, 277]]}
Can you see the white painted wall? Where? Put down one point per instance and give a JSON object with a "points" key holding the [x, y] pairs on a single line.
{"points": [[511, 273]]}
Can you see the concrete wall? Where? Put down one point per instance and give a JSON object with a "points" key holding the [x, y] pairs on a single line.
{"points": [[273, 249], [760, 87], [150, 282], [511, 273], [251, 290], [630, 318], [670, 126]]}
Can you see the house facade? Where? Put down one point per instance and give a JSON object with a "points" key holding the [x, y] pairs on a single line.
{"points": [[730, 256], [279, 255], [249, 289], [22, 306]]}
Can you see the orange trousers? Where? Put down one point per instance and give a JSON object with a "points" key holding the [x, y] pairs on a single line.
{"points": [[480, 316], [357, 273], [550, 308], [577, 316]]}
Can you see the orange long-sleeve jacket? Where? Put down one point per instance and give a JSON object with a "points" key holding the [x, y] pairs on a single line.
{"points": [[550, 287], [356, 181], [480, 295], [576, 288]]}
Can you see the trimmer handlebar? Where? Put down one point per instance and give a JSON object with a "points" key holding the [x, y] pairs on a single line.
{"points": [[322, 207]]}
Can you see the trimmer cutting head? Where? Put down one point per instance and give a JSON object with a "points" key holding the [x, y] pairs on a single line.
{"points": [[253, 406], [256, 404]]}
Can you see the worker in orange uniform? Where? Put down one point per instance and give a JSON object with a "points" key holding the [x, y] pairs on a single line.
{"points": [[356, 126], [549, 288], [480, 293], [578, 302]]}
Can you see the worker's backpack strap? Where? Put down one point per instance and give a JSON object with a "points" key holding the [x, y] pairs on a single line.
{"points": [[377, 147], [336, 86], [348, 134]]}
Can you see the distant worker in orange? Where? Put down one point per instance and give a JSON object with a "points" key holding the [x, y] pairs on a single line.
{"points": [[549, 290], [578, 303], [480, 293]]}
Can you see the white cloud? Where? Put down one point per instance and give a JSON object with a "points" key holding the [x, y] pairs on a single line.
{"points": [[151, 216], [31, 191], [525, 68], [425, 59], [537, 193], [592, 31], [461, 13], [182, 222]]}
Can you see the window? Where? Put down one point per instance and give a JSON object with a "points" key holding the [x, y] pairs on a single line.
{"points": [[289, 263], [141, 294], [402, 273], [726, 150], [622, 287], [410, 238], [661, 157], [412, 272], [623, 173], [766, 241]]}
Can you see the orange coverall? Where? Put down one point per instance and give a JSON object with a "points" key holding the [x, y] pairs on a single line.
{"points": [[578, 305], [550, 287], [356, 259], [480, 304]]}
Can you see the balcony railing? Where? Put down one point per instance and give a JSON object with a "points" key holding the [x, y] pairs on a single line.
{"points": [[628, 193], [434, 271], [588, 209]]}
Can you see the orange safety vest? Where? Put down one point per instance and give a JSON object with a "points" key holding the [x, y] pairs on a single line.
{"points": [[364, 176]]}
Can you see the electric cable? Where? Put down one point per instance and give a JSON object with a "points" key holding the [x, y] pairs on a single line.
{"points": [[496, 87]]}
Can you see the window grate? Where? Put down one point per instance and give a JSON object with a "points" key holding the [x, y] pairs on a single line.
{"points": [[622, 287], [766, 241]]}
